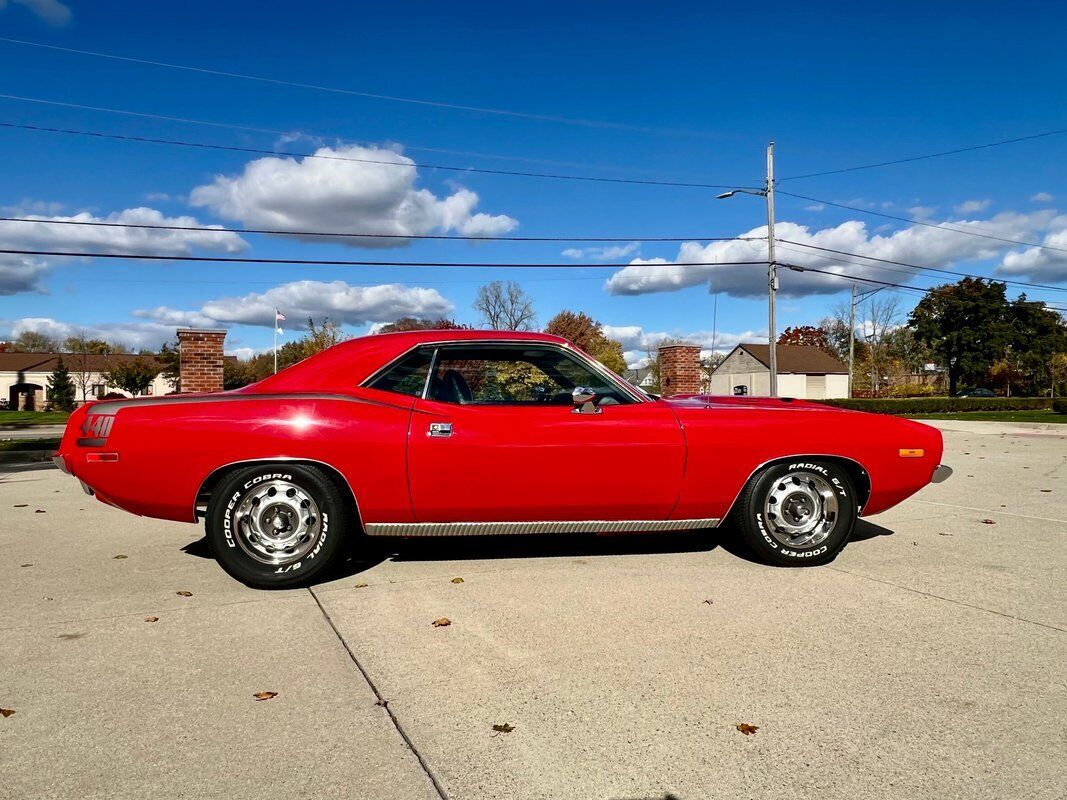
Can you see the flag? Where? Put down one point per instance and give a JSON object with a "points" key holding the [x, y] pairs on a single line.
{"points": [[278, 317]]}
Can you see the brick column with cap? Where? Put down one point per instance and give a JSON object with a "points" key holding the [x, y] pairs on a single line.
{"points": [[679, 369], [200, 351]]}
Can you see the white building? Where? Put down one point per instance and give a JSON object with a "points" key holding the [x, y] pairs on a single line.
{"points": [[804, 372], [24, 377]]}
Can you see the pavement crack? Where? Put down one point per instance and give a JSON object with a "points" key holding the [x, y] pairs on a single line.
{"points": [[382, 701], [949, 600], [991, 511]]}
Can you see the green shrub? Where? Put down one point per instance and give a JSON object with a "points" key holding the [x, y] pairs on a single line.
{"points": [[942, 405], [1059, 405]]}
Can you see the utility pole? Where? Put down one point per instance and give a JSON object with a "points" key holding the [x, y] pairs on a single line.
{"points": [[772, 272], [851, 338]]}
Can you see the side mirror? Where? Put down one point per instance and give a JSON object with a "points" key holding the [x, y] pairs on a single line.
{"points": [[584, 400]]}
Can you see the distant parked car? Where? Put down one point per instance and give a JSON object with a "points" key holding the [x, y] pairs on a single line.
{"points": [[976, 393]]}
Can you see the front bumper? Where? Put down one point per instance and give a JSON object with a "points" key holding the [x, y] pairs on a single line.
{"points": [[942, 473]]}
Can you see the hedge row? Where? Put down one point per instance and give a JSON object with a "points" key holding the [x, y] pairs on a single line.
{"points": [[1059, 405], [943, 405]]}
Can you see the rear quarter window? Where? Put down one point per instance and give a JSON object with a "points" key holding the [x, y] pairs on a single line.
{"points": [[407, 376]]}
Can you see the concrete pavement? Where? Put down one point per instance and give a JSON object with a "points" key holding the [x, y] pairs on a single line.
{"points": [[927, 659]]}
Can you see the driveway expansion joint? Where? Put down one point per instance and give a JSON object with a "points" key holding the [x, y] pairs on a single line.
{"points": [[382, 702]]}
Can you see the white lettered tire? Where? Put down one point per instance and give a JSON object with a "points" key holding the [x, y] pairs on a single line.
{"points": [[797, 513], [277, 525]]}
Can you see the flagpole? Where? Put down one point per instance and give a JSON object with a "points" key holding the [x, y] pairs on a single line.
{"points": [[275, 341]]}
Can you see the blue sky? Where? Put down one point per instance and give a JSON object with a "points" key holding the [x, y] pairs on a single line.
{"points": [[687, 92]]}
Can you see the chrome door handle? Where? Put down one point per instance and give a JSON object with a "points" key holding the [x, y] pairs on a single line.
{"points": [[440, 429]]}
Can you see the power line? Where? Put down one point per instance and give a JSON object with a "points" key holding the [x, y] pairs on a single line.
{"points": [[328, 234], [409, 164], [928, 269], [308, 134], [941, 227], [343, 262], [928, 155], [371, 95], [798, 268]]}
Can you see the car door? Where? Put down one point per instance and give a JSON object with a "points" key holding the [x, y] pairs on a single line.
{"points": [[497, 438]]}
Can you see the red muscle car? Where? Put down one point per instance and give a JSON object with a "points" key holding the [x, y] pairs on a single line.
{"points": [[454, 433]]}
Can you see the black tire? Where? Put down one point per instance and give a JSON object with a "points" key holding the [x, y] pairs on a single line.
{"points": [[780, 495], [311, 507]]}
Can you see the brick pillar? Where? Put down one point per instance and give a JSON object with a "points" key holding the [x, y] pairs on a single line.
{"points": [[679, 369], [200, 352]]}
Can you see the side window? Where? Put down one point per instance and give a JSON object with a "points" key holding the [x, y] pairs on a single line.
{"points": [[512, 375], [407, 376]]}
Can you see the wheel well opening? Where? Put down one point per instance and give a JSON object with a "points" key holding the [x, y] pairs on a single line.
{"points": [[203, 496]]}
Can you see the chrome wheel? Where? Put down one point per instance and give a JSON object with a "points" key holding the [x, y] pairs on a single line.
{"points": [[277, 523], [801, 509]]}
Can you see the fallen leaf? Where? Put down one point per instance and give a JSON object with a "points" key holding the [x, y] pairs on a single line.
{"points": [[505, 728], [747, 729], [6, 712], [22, 505], [70, 637], [457, 580], [941, 533], [361, 586], [25, 565], [40, 511], [708, 602], [184, 593], [383, 703], [119, 556], [915, 544], [151, 619], [1046, 490], [988, 521], [264, 695], [443, 622]]}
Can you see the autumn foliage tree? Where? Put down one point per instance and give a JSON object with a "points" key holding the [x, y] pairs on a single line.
{"points": [[588, 334], [414, 324], [807, 336]]}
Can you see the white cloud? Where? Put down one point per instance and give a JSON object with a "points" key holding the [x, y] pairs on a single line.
{"points": [[603, 253], [133, 335], [341, 302], [1042, 197], [51, 11], [816, 207], [637, 342], [922, 212], [928, 246], [1041, 264], [328, 193], [21, 274], [972, 206], [48, 233]]}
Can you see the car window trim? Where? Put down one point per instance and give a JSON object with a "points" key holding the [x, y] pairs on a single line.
{"points": [[567, 349]]}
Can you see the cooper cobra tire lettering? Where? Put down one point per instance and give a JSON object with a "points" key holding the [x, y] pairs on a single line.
{"points": [[226, 532], [756, 529]]}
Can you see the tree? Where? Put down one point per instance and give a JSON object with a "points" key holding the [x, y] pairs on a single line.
{"points": [[60, 389], [236, 374], [967, 325], [413, 324], [588, 334], [1037, 336], [34, 342], [505, 307], [321, 337], [808, 336], [134, 375], [171, 357], [879, 317]]}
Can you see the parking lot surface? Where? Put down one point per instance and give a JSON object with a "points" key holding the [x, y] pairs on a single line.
{"points": [[927, 660]]}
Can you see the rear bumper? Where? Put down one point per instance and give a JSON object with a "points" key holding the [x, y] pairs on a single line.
{"points": [[941, 473]]}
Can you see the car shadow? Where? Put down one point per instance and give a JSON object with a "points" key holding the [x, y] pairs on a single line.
{"points": [[368, 552]]}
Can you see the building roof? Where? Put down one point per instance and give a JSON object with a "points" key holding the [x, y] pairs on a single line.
{"points": [[46, 362], [796, 358]]}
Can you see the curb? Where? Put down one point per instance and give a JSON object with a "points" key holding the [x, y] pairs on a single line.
{"points": [[26, 456]]}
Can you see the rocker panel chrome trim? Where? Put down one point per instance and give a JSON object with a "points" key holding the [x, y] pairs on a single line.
{"points": [[564, 526]]}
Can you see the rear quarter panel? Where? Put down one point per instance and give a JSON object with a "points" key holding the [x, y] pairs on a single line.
{"points": [[727, 444], [166, 451]]}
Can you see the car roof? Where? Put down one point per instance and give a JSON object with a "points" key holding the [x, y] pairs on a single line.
{"points": [[347, 364]]}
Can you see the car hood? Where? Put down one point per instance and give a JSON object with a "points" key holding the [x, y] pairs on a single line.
{"points": [[753, 403]]}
